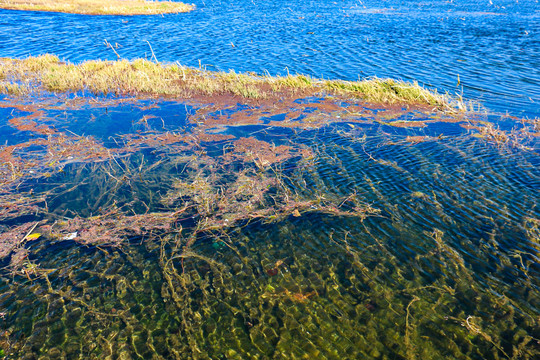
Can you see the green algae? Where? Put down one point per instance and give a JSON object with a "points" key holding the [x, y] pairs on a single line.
{"points": [[343, 288], [326, 304], [343, 242]]}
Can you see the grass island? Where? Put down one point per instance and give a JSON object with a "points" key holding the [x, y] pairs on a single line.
{"points": [[143, 77], [99, 7]]}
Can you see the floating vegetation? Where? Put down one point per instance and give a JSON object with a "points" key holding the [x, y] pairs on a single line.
{"points": [[228, 215], [99, 7]]}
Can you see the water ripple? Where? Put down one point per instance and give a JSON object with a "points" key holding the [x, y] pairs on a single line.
{"points": [[494, 50]]}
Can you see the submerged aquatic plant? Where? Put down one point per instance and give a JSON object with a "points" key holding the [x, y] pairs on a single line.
{"points": [[291, 239]]}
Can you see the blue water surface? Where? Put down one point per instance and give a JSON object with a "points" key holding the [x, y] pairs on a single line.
{"points": [[484, 50], [169, 229]]}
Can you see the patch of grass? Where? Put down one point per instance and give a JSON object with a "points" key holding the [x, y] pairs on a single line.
{"points": [[98, 7], [300, 82], [387, 91], [142, 77]]}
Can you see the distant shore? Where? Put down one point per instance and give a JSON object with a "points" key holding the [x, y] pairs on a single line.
{"points": [[99, 7]]}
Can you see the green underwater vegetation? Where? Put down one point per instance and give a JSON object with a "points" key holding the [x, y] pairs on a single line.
{"points": [[303, 222]]}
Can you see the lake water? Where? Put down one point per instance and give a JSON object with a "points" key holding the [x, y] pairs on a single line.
{"points": [[319, 229], [494, 47]]}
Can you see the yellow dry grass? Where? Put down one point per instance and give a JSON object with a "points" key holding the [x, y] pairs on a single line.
{"points": [[142, 77], [98, 7]]}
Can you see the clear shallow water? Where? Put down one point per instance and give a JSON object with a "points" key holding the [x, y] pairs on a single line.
{"points": [[297, 233], [494, 47], [448, 267]]}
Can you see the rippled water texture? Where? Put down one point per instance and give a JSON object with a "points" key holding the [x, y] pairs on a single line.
{"points": [[493, 46], [312, 228], [379, 242]]}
